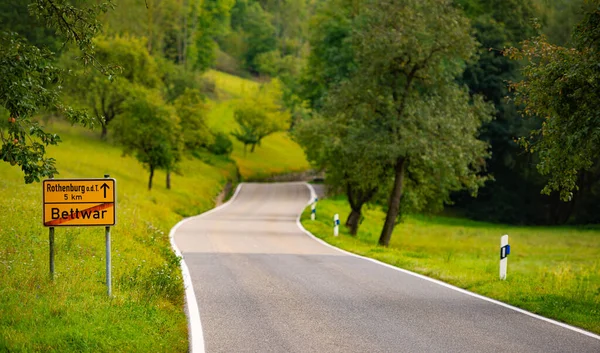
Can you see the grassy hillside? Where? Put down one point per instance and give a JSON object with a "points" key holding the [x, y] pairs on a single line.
{"points": [[277, 153], [73, 313], [554, 272]]}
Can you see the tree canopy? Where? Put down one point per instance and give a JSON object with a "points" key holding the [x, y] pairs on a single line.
{"points": [[402, 97], [31, 83], [150, 130], [260, 115], [560, 86]]}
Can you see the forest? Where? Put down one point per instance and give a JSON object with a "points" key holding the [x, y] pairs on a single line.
{"points": [[483, 108]]}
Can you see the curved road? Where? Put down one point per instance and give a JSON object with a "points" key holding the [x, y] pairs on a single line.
{"points": [[262, 285]]}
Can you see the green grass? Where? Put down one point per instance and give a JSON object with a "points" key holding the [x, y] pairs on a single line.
{"points": [[554, 272], [73, 313], [230, 86], [277, 154]]}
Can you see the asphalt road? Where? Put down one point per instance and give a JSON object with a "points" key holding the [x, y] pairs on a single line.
{"points": [[262, 285]]}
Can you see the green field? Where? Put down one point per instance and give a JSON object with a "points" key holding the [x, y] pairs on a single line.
{"points": [[554, 272], [277, 154]]}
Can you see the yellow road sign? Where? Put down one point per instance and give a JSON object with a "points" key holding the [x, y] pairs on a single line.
{"points": [[79, 202]]}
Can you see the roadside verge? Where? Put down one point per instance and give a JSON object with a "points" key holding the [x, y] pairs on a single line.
{"points": [[444, 284]]}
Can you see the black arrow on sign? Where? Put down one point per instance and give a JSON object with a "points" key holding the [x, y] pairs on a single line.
{"points": [[105, 186]]}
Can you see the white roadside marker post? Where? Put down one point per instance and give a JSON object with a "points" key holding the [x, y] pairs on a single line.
{"points": [[504, 252], [313, 211], [336, 225]]}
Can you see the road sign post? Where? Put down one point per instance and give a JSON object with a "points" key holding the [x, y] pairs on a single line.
{"points": [[313, 211], [51, 243], [108, 263], [80, 202], [108, 259], [504, 252]]}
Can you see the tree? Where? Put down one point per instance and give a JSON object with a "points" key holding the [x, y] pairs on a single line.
{"points": [[15, 17], [512, 197], [252, 23], [107, 98], [149, 129], [331, 59], [31, 82], [211, 21], [260, 115], [192, 110], [407, 56], [339, 142], [560, 87]]}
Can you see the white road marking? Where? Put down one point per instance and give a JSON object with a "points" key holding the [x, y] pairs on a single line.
{"points": [[464, 291], [196, 336]]}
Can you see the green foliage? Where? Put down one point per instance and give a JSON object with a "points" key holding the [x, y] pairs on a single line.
{"points": [[192, 109], [15, 17], [105, 97], [278, 153], [331, 58], [350, 153], [559, 88], [31, 83], [222, 145], [400, 95], [252, 23], [559, 17], [515, 178], [426, 118], [137, 65], [212, 21], [176, 79], [150, 130], [77, 25], [260, 115], [515, 15]]}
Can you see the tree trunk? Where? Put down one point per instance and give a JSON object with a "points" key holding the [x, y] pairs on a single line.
{"points": [[150, 9], [104, 132], [252, 148], [182, 34], [168, 179], [352, 221], [357, 198], [394, 203], [151, 176]]}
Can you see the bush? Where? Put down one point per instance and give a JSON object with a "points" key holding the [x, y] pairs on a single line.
{"points": [[227, 63], [222, 144], [208, 86]]}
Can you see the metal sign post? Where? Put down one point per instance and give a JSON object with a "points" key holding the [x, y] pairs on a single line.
{"points": [[313, 211], [108, 262], [51, 242]]}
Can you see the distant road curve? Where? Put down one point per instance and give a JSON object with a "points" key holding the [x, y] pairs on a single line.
{"points": [[263, 285]]}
